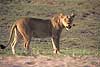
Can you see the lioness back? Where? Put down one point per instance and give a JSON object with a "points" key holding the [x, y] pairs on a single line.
{"points": [[39, 27]]}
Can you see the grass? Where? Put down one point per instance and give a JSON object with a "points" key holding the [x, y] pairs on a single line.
{"points": [[83, 39], [46, 50]]}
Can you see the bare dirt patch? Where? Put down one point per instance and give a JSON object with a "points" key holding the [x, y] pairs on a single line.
{"points": [[45, 61]]}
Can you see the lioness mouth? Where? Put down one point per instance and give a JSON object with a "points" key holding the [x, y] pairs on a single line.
{"points": [[67, 29]]}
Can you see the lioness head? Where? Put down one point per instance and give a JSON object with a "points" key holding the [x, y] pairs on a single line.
{"points": [[66, 20]]}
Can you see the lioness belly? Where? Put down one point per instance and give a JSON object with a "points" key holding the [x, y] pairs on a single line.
{"points": [[42, 30], [41, 35]]}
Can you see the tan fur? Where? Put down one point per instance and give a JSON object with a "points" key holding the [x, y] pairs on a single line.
{"points": [[40, 28]]}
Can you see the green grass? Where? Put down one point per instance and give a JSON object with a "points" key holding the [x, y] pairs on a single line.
{"points": [[47, 50]]}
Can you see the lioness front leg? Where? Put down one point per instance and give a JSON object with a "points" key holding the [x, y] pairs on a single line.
{"points": [[55, 43]]}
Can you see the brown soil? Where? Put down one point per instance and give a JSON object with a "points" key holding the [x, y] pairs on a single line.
{"points": [[44, 61]]}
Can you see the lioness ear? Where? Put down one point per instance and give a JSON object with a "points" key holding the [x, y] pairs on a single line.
{"points": [[61, 14], [68, 16], [72, 15]]}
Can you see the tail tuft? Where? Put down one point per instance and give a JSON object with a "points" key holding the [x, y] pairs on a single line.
{"points": [[2, 47]]}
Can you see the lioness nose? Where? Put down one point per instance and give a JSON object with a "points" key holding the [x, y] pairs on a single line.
{"points": [[68, 27]]}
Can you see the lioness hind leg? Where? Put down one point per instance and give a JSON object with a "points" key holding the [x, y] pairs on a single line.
{"points": [[13, 46], [27, 39], [25, 32], [14, 42], [27, 45]]}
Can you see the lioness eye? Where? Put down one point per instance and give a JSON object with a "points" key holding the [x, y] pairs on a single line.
{"points": [[64, 19]]}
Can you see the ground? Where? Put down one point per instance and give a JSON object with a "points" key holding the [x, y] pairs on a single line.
{"points": [[45, 61]]}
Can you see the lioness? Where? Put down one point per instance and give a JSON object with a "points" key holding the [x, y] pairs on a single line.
{"points": [[40, 28]]}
